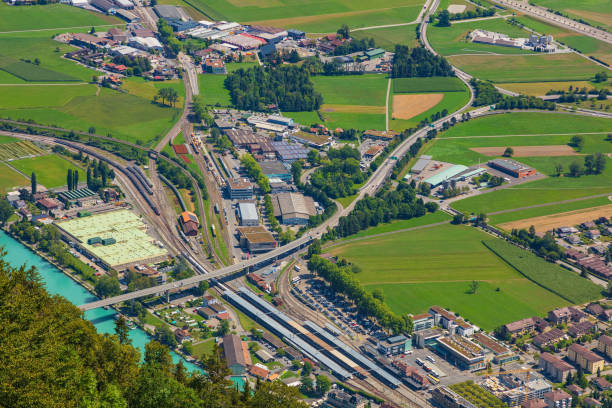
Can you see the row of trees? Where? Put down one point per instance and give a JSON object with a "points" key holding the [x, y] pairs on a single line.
{"points": [[545, 246], [74, 366], [418, 62], [388, 205], [487, 94], [72, 179], [342, 280], [167, 94], [286, 87], [98, 175]]}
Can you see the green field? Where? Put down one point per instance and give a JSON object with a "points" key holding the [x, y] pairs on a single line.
{"points": [[596, 12], [422, 85], [42, 96], [311, 15], [563, 282], [547, 210], [212, 90], [524, 123], [39, 44], [368, 89], [527, 68], [388, 37], [50, 170], [31, 72], [435, 266], [452, 40], [429, 218], [9, 179], [48, 17]]}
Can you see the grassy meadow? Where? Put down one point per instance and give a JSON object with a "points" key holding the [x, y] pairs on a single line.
{"points": [[10, 179], [527, 68], [49, 17], [50, 170], [388, 37], [596, 12], [435, 266], [311, 15]]}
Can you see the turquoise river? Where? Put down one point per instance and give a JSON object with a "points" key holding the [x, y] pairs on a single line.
{"points": [[58, 283]]}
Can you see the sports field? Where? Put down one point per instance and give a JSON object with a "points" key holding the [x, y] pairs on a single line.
{"points": [[50, 169], [312, 15], [435, 266], [453, 40], [49, 17], [388, 37], [527, 68]]}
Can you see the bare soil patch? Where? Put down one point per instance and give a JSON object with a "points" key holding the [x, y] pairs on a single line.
{"points": [[409, 106], [528, 151], [549, 222]]}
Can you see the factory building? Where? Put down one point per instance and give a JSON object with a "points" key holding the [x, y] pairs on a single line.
{"points": [[248, 215], [512, 167], [293, 208]]}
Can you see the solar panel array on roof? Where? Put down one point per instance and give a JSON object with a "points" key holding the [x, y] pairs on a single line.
{"points": [[354, 355], [290, 151], [289, 337]]}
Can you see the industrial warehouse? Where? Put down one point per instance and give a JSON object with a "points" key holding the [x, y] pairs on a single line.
{"points": [[115, 239]]}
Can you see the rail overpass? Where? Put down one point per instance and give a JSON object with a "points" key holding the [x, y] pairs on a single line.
{"points": [[219, 273]]}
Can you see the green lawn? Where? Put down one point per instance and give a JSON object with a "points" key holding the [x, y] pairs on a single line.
{"points": [[142, 88], [9, 179], [42, 96], [212, 90], [452, 40], [50, 170], [422, 85], [529, 124], [312, 15], [122, 115], [367, 89], [48, 17], [435, 265], [388, 37], [527, 68], [203, 348]]}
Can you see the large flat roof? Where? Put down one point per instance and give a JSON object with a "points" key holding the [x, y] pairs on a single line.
{"points": [[445, 174], [133, 244], [248, 211]]}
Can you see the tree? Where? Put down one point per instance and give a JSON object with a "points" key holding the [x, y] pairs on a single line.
{"points": [[577, 142], [508, 152], [223, 328], [599, 164], [92, 130], [36, 61], [474, 287], [33, 183], [589, 163], [378, 294], [344, 31], [69, 179], [323, 384], [93, 30], [458, 219], [575, 169], [444, 19], [122, 330], [6, 210], [307, 385], [164, 335], [314, 248], [306, 369], [201, 288], [601, 77], [168, 94], [558, 169], [107, 286], [75, 179]]}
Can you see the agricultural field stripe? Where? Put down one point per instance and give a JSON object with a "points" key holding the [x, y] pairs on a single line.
{"points": [[525, 135], [60, 28], [549, 204]]}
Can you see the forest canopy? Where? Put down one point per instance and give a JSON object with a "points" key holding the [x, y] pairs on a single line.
{"points": [[287, 87]]}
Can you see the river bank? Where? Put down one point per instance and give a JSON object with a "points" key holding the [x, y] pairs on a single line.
{"points": [[58, 282]]}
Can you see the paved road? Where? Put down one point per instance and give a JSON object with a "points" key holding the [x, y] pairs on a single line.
{"points": [[543, 14]]}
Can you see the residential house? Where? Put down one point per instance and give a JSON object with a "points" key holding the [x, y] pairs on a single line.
{"points": [[593, 234], [595, 309], [575, 389], [604, 345], [585, 358], [558, 399], [207, 312], [550, 337], [534, 403], [520, 327], [182, 335], [591, 402], [554, 368], [601, 383], [582, 328], [341, 399], [259, 372]]}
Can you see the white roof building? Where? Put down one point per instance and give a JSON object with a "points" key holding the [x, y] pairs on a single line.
{"points": [[148, 43]]}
